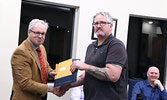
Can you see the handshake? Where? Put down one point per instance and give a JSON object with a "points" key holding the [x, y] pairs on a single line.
{"points": [[59, 91]]}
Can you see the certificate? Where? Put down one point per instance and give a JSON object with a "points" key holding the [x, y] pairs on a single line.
{"points": [[64, 75]]}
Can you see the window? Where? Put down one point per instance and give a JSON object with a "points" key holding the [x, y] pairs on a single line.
{"points": [[59, 37]]}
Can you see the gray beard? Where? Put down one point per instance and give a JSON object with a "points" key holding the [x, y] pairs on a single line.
{"points": [[103, 34]]}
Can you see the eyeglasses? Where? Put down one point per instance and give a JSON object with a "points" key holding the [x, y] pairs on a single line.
{"points": [[38, 33], [102, 23]]}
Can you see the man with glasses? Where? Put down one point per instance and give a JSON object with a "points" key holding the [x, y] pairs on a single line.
{"points": [[105, 66], [30, 68]]}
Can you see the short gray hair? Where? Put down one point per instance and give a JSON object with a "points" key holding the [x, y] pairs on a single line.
{"points": [[106, 14], [31, 24]]}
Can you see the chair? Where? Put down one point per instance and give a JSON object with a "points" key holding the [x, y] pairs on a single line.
{"points": [[131, 82]]}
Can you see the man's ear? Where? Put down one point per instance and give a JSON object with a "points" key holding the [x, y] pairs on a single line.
{"points": [[29, 32], [111, 25], [147, 73]]}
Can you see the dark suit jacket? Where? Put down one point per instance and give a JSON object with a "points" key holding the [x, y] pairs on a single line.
{"points": [[27, 78]]}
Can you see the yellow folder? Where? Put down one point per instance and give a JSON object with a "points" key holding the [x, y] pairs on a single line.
{"points": [[63, 69]]}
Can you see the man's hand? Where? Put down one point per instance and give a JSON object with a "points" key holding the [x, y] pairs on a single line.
{"points": [[51, 89], [53, 73], [158, 83], [56, 91], [78, 65], [60, 91], [65, 88]]}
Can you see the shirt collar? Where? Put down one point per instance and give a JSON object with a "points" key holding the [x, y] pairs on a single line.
{"points": [[33, 46], [105, 42], [148, 84]]}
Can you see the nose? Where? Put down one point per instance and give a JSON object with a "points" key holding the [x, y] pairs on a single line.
{"points": [[98, 25], [40, 35]]}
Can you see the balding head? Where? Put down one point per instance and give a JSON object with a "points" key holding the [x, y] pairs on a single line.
{"points": [[153, 73], [153, 68]]}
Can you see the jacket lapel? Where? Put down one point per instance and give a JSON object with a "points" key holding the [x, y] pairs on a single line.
{"points": [[32, 53]]}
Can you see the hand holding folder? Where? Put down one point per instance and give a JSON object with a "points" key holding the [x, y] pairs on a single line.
{"points": [[64, 75]]}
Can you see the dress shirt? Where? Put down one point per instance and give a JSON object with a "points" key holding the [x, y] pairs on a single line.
{"points": [[34, 47], [148, 92], [77, 93]]}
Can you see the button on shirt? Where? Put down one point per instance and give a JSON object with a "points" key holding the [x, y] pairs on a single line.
{"points": [[148, 92]]}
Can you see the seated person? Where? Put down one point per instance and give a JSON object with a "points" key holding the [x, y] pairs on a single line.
{"points": [[152, 88], [77, 93]]}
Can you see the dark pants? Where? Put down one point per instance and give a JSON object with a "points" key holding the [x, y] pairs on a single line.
{"points": [[44, 98]]}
